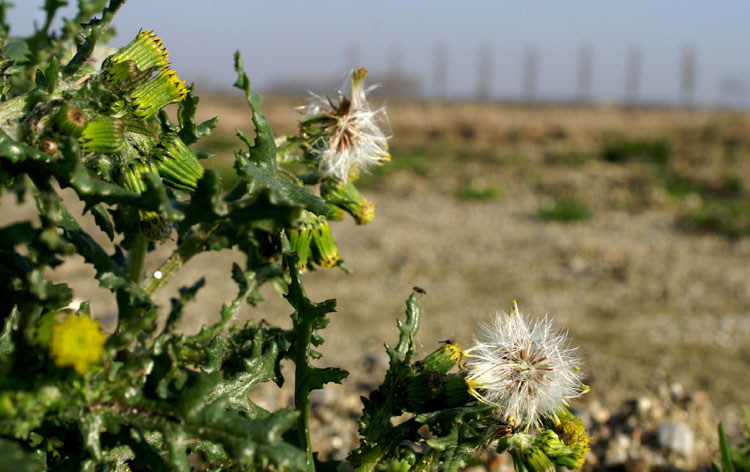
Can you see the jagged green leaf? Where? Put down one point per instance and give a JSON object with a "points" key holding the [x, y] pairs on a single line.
{"points": [[102, 220], [257, 166], [250, 441], [379, 437], [189, 131], [187, 294], [17, 50]]}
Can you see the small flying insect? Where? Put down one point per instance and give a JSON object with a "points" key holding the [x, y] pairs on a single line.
{"points": [[419, 290]]}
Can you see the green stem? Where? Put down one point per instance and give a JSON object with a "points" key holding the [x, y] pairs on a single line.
{"points": [[237, 191], [137, 257], [303, 329], [189, 248], [92, 36]]}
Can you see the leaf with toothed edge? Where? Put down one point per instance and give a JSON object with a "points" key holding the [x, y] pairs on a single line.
{"points": [[258, 167]]}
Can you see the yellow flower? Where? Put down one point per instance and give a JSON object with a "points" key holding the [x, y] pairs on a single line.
{"points": [[77, 342]]}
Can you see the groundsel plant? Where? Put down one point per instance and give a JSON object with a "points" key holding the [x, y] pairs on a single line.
{"points": [[145, 396]]}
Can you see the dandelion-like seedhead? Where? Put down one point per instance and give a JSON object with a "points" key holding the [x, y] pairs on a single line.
{"points": [[524, 368], [346, 137]]}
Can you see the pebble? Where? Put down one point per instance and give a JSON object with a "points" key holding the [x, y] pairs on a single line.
{"points": [[644, 405], [325, 396], [676, 437], [376, 362], [617, 454], [599, 413], [677, 391]]}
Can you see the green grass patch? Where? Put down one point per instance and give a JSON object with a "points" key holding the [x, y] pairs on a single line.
{"points": [[681, 186], [570, 158], [478, 192], [564, 209], [418, 161], [655, 151], [730, 217]]}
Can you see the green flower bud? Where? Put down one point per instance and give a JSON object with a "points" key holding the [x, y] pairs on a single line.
{"points": [[422, 389], [345, 195], [157, 93], [103, 134], [126, 75], [442, 359], [177, 165], [301, 237], [536, 460], [71, 120], [312, 240], [337, 214], [571, 456], [154, 228], [324, 250], [154, 225], [456, 390], [146, 51], [133, 173]]}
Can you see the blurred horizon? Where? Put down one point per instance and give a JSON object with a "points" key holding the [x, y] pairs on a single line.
{"points": [[674, 53]]}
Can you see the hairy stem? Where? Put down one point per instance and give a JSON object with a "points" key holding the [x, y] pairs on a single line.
{"points": [[304, 330], [189, 248], [92, 36], [137, 257]]}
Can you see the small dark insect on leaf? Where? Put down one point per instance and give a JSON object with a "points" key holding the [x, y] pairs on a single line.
{"points": [[419, 290], [446, 341]]}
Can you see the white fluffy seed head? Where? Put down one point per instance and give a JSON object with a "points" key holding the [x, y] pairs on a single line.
{"points": [[354, 141], [524, 368]]}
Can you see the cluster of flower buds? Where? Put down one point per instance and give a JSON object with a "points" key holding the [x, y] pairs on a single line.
{"points": [[116, 126], [543, 451], [313, 242], [112, 115]]}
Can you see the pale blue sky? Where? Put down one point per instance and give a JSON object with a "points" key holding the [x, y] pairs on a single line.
{"points": [[301, 40]]}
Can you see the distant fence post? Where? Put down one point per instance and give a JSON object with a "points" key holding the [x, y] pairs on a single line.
{"points": [[439, 71], [529, 74], [687, 76], [484, 74], [585, 71], [633, 76]]}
